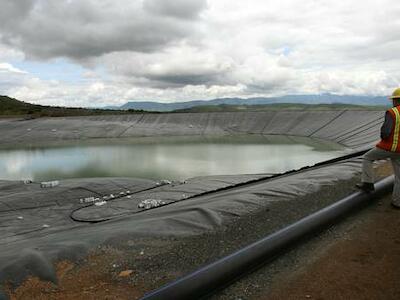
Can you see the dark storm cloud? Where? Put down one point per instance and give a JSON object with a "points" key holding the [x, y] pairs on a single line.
{"points": [[80, 29], [177, 8]]}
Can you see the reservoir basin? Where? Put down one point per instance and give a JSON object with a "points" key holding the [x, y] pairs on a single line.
{"points": [[173, 158]]}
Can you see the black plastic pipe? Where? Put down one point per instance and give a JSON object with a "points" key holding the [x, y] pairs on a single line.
{"points": [[219, 274]]}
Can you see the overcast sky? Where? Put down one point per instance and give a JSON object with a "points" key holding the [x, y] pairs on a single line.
{"points": [[106, 52]]}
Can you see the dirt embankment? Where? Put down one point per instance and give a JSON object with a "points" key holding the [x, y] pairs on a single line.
{"points": [[363, 264], [96, 278]]}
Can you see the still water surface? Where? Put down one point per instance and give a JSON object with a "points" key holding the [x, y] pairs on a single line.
{"points": [[163, 158]]}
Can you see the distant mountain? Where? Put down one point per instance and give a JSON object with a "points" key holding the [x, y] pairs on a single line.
{"points": [[305, 99], [278, 106]]}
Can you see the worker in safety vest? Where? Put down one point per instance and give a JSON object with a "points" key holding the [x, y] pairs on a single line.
{"points": [[388, 147]]}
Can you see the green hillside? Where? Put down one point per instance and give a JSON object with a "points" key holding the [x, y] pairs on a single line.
{"points": [[13, 107]]}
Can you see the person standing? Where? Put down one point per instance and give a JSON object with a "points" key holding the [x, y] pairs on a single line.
{"points": [[388, 147]]}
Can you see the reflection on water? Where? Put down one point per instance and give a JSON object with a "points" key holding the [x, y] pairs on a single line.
{"points": [[171, 158]]}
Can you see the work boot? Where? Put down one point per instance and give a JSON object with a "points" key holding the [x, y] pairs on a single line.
{"points": [[394, 206], [367, 187]]}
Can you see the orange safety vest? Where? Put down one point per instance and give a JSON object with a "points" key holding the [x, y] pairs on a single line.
{"points": [[392, 142]]}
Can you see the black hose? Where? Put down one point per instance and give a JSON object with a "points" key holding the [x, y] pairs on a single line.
{"points": [[219, 274]]}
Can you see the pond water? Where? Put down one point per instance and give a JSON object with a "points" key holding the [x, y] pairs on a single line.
{"points": [[173, 158]]}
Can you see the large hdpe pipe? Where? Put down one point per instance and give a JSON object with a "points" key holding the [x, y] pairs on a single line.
{"points": [[219, 274]]}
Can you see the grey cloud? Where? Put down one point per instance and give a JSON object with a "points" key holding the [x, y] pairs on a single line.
{"points": [[190, 75], [266, 88], [186, 9], [175, 67], [82, 29], [171, 80], [14, 11]]}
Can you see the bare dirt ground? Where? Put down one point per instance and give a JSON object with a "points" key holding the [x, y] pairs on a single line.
{"points": [[364, 264], [94, 279]]}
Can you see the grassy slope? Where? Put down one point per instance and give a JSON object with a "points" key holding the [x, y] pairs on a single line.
{"points": [[14, 107]]}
